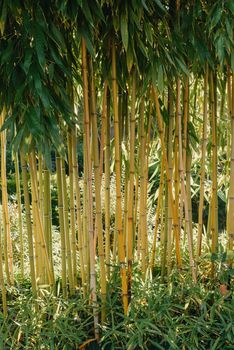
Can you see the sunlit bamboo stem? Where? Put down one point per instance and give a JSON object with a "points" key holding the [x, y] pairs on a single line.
{"points": [[203, 162], [89, 185], [118, 185]]}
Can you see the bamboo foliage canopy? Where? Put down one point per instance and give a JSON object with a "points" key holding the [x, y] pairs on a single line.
{"points": [[40, 52]]}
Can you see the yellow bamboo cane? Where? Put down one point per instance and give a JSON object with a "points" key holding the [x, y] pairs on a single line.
{"points": [[183, 190], [89, 185], [97, 185], [214, 200], [131, 181], [78, 209], [2, 282], [6, 219], [28, 223], [61, 225], [118, 185], [19, 207], [67, 229], [72, 208], [203, 161], [170, 168], [157, 215], [230, 215], [44, 250], [169, 183], [107, 186], [46, 215]]}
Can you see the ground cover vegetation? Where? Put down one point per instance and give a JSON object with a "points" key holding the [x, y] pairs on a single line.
{"points": [[117, 174]]}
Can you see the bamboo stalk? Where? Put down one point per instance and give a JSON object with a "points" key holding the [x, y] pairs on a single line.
{"points": [[2, 282], [118, 185], [28, 223], [183, 190], [125, 131], [230, 214], [89, 185], [143, 189], [40, 259], [188, 190], [97, 185], [170, 168], [78, 209], [147, 154], [40, 266], [169, 184], [85, 218], [178, 212], [19, 207], [46, 216], [72, 209], [6, 219], [214, 200], [40, 177], [39, 220], [103, 118], [61, 224], [186, 117], [67, 229], [130, 227], [164, 236], [107, 186], [157, 215], [203, 162]]}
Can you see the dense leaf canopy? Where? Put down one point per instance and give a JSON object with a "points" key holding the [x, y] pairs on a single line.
{"points": [[40, 52]]}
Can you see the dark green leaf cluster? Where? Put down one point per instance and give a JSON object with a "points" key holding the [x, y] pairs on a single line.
{"points": [[35, 72], [40, 58]]}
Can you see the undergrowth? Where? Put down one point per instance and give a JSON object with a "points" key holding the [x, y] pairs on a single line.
{"points": [[174, 315]]}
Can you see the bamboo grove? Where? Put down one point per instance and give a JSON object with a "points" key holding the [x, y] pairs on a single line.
{"points": [[128, 82]]}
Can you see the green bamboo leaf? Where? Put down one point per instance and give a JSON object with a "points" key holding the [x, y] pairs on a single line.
{"points": [[97, 10], [40, 45], [160, 79], [87, 12], [144, 4], [232, 60], [192, 132], [8, 122], [47, 153], [51, 71], [88, 41], [19, 93], [129, 56], [216, 343], [45, 99], [160, 5], [18, 138], [142, 47], [34, 123], [154, 76], [27, 60], [230, 5], [182, 66], [216, 18], [56, 57], [57, 35], [229, 29], [148, 33], [124, 30], [3, 16], [220, 48], [7, 53], [37, 82]]}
